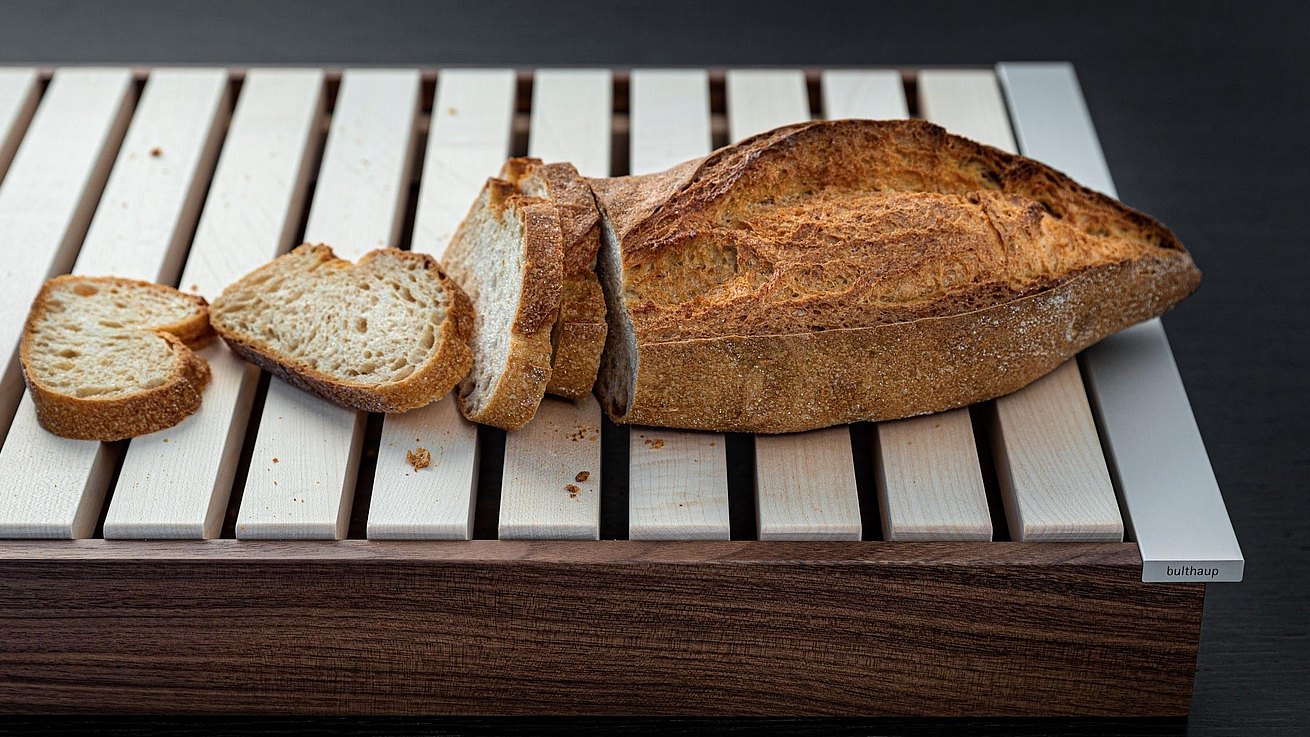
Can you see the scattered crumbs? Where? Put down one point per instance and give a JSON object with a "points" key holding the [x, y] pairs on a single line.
{"points": [[275, 459], [195, 287], [165, 440], [655, 443], [275, 483], [572, 490], [156, 152], [712, 443], [418, 458], [582, 476], [452, 110]]}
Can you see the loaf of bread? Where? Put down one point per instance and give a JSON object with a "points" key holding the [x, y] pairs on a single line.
{"points": [[578, 337], [836, 271], [108, 358], [388, 334]]}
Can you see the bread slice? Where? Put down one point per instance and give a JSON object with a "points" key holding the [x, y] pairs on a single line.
{"points": [[108, 358], [508, 256], [578, 337], [388, 334], [836, 271]]}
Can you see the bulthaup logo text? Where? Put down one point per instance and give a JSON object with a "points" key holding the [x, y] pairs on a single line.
{"points": [[1191, 571]]}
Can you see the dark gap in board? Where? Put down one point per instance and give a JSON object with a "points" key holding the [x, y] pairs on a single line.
{"points": [[521, 123], [491, 471], [242, 472], [615, 442], [911, 83], [116, 452], [368, 465], [742, 521], [863, 452], [814, 94], [718, 110], [983, 417]]}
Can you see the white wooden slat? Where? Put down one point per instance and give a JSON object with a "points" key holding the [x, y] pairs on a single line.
{"points": [[762, 99], [677, 481], [570, 122], [306, 456], [551, 484], [140, 231], [175, 483], [863, 93], [467, 142], [804, 483], [49, 194], [1058, 487], [930, 484], [805, 486], [1174, 508], [669, 110], [571, 115], [966, 102], [19, 93]]}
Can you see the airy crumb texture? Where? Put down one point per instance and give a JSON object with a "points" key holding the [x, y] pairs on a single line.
{"points": [[507, 255], [834, 271], [388, 334], [108, 358]]}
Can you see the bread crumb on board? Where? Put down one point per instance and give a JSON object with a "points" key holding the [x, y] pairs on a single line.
{"points": [[655, 443], [573, 490], [418, 458], [582, 476], [156, 152]]}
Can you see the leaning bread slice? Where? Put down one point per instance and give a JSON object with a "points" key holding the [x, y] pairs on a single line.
{"points": [[507, 255], [388, 334], [836, 271], [578, 337], [108, 358]]}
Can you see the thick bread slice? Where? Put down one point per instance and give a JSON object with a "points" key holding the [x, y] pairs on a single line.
{"points": [[507, 255], [835, 271], [388, 334], [108, 358], [578, 337]]}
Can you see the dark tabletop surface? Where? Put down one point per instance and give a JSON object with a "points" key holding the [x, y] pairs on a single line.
{"points": [[1202, 109]]}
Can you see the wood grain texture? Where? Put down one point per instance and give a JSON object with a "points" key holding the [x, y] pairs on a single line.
{"points": [[677, 480], [804, 482], [863, 93], [1061, 470], [930, 484], [465, 627], [306, 456], [49, 195], [571, 118], [176, 483], [540, 496], [468, 140], [19, 93], [670, 117], [141, 231], [551, 484], [1052, 475]]}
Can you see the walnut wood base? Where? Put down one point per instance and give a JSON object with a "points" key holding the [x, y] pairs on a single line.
{"points": [[498, 627]]}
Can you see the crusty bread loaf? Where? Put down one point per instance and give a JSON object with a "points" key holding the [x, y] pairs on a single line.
{"points": [[108, 358], [507, 255], [388, 334], [578, 337], [829, 272]]}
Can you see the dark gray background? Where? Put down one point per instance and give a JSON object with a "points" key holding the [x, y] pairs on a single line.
{"points": [[1203, 113]]}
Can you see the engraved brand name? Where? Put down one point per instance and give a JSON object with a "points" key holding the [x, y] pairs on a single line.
{"points": [[1191, 571]]}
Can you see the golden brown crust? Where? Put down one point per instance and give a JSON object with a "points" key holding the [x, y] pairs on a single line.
{"points": [[835, 271], [579, 333], [427, 383], [791, 383], [520, 388], [141, 413]]}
